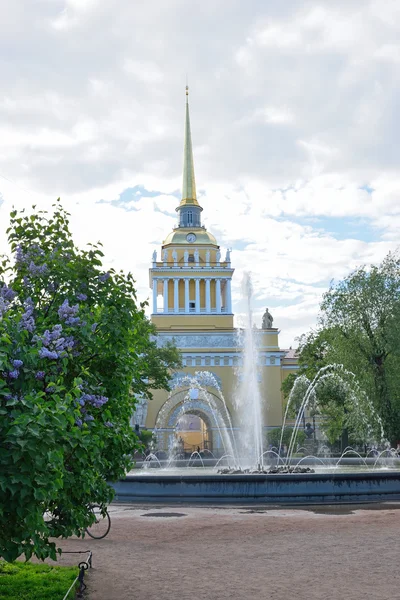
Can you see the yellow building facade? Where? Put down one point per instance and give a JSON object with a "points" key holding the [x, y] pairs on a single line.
{"points": [[192, 307]]}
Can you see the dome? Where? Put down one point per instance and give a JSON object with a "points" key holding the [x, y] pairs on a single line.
{"points": [[179, 235]]}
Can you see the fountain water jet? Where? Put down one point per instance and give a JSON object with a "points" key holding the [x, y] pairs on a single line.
{"points": [[248, 397]]}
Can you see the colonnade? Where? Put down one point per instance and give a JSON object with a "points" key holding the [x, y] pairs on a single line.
{"points": [[223, 295]]}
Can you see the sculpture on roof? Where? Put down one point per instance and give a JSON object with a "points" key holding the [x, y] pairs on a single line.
{"points": [[267, 320], [155, 256], [165, 256], [174, 256]]}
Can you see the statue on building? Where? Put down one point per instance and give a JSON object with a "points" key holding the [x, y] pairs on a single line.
{"points": [[196, 256], [174, 256], [228, 256], [218, 257], [155, 256], [165, 256], [140, 414], [186, 256], [267, 320], [208, 257]]}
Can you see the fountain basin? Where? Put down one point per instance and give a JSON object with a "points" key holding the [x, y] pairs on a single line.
{"points": [[307, 488]]}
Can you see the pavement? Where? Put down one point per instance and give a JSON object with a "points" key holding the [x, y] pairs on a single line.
{"points": [[185, 552]]}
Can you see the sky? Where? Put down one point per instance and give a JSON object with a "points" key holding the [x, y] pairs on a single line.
{"points": [[295, 125]]}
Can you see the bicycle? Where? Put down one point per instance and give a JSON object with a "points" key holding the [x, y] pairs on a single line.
{"points": [[102, 524]]}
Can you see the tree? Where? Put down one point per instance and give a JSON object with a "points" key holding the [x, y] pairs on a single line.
{"points": [[75, 347], [362, 312], [359, 329]]}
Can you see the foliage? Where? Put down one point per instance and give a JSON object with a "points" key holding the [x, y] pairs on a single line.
{"points": [[75, 346], [359, 328], [147, 436], [287, 385], [362, 314], [31, 581], [274, 436]]}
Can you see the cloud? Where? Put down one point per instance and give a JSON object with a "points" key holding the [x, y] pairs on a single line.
{"points": [[294, 109]]}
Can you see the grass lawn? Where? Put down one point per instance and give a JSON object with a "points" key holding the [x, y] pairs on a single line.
{"points": [[28, 581]]}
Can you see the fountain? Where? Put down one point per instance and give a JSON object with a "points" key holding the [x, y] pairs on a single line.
{"points": [[247, 473]]}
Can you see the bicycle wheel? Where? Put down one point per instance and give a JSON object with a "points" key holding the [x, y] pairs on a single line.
{"points": [[101, 526]]}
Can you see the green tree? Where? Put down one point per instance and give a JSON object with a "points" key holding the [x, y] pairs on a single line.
{"points": [[75, 348], [359, 329], [361, 314]]}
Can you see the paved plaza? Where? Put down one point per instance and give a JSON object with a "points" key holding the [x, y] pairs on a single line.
{"points": [[198, 553]]}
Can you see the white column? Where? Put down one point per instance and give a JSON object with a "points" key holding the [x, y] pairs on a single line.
{"points": [[186, 295], [208, 296], [218, 294], [166, 295], [155, 281], [197, 281], [176, 295], [228, 296]]}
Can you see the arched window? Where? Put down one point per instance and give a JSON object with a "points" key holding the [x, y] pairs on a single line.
{"points": [[190, 217]]}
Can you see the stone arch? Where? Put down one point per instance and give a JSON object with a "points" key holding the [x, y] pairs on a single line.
{"points": [[178, 404]]}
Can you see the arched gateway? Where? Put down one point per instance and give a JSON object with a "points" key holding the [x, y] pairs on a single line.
{"points": [[207, 406]]}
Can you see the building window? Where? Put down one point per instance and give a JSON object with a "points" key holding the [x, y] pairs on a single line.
{"points": [[191, 258], [198, 361], [216, 360], [235, 361], [190, 217], [226, 361], [272, 360], [208, 360], [189, 362]]}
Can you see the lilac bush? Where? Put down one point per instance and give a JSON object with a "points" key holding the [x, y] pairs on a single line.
{"points": [[75, 348]]}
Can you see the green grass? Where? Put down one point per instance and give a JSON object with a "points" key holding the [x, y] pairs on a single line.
{"points": [[28, 581]]}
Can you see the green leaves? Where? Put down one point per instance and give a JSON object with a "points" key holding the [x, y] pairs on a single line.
{"points": [[359, 328], [80, 335]]}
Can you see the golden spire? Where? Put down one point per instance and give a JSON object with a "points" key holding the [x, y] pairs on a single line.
{"points": [[189, 183]]}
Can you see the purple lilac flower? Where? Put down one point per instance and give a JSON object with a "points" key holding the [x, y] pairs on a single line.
{"points": [[89, 418], [37, 269], [7, 295], [108, 424], [40, 375], [78, 422], [27, 321], [104, 276], [17, 363], [13, 374], [93, 399], [46, 338], [46, 353], [72, 321], [94, 326], [81, 297], [50, 389], [68, 313], [19, 256], [56, 333]]}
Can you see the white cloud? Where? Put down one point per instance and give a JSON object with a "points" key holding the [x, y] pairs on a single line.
{"points": [[294, 110]]}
